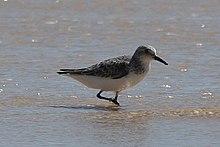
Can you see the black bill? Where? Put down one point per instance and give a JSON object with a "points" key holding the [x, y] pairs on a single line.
{"points": [[160, 60]]}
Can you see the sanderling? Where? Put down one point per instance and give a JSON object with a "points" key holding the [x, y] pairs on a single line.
{"points": [[116, 74]]}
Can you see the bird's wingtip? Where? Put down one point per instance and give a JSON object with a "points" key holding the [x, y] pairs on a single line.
{"points": [[62, 72], [63, 69]]}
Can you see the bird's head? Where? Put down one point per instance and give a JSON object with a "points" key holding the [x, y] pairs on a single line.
{"points": [[147, 53]]}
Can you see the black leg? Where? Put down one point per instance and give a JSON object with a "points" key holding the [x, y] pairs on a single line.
{"points": [[108, 99], [115, 99], [101, 97]]}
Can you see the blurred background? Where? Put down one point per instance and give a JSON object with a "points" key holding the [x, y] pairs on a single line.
{"points": [[175, 105]]}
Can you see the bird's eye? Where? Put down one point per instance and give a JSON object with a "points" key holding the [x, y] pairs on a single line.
{"points": [[149, 52]]}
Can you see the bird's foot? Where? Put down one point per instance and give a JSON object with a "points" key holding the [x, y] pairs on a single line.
{"points": [[115, 102], [108, 99]]}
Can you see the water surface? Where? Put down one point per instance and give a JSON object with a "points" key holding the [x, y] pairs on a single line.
{"points": [[176, 105]]}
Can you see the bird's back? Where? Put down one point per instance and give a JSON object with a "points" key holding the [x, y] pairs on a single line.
{"points": [[113, 68]]}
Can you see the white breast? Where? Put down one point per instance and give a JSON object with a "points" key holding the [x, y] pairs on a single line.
{"points": [[108, 84]]}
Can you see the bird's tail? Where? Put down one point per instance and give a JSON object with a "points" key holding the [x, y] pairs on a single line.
{"points": [[65, 71], [69, 71], [62, 72]]}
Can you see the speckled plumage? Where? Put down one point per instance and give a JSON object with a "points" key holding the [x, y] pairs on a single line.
{"points": [[113, 68], [116, 74]]}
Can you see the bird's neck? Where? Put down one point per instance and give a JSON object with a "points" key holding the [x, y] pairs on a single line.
{"points": [[138, 66]]}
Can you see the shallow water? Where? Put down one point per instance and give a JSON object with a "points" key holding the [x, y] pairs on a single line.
{"points": [[175, 105]]}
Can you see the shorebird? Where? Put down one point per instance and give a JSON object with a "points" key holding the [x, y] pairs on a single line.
{"points": [[116, 74]]}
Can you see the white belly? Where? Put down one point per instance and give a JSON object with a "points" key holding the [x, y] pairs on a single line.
{"points": [[108, 84]]}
